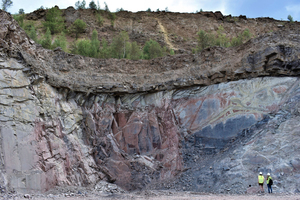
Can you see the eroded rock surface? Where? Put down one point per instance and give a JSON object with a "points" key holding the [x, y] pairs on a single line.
{"points": [[203, 122]]}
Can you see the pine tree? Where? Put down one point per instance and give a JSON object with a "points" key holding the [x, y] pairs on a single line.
{"points": [[47, 42], [78, 27], [60, 41], [54, 20], [32, 34], [105, 51], [95, 45]]}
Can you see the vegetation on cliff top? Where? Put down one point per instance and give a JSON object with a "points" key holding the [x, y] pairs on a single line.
{"points": [[208, 39], [53, 33]]}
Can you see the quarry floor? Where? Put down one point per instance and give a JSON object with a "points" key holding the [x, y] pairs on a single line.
{"points": [[162, 195]]}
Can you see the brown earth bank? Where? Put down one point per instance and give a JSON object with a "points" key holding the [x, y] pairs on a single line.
{"points": [[206, 122]]}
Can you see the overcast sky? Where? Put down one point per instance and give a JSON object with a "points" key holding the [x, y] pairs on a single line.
{"points": [[278, 9]]}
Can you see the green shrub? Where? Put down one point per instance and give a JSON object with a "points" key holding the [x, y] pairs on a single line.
{"points": [[78, 27], [220, 39], [99, 20], [60, 41], [152, 49], [20, 19], [172, 52], [290, 18], [241, 38], [84, 47], [32, 34], [112, 17], [46, 42], [204, 40], [54, 20]]}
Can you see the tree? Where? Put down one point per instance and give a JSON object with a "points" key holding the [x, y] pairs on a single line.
{"points": [[290, 18], [152, 50], [80, 5], [54, 20], [83, 4], [204, 40], [46, 42], [6, 4], [95, 45], [119, 10], [98, 6], [60, 41], [221, 39], [84, 47], [241, 38], [112, 17], [118, 46], [21, 11], [106, 7], [78, 27], [134, 52], [99, 20], [148, 10], [32, 34], [105, 50], [92, 5], [77, 5]]}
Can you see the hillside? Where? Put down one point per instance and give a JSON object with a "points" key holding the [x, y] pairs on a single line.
{"points": [[176, 31], [203, 122]]}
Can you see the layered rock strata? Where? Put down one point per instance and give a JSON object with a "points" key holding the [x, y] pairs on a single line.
{"points": [[70, 120]]}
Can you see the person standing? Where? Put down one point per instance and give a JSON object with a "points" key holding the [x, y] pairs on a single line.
{"points": [[269, 183], [261, 180]]}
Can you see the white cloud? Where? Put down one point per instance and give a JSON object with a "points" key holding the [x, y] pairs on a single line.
{"points": [[293, 10]]}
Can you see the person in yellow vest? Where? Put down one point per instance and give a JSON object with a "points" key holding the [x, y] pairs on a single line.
{"points": [[261, 180], [269, 182]]}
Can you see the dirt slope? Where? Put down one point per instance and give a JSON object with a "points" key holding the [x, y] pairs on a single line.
{"points": [[176, 31]]}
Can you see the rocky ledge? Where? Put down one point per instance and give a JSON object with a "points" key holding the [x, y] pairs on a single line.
{"points": [[273, 54]]}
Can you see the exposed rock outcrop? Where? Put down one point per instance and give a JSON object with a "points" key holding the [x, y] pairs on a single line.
{"points": [[212, 119]]}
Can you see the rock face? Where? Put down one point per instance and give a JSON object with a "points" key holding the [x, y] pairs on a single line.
{"points": [[190, 122]]}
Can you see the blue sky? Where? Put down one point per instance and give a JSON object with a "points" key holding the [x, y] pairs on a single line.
{"points": [[278, 9]]}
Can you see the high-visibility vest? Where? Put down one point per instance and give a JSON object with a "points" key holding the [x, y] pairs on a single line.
{"points": [[261, 179]]}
